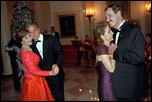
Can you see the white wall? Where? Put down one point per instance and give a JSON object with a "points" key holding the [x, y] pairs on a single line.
{"points": [[65, 8], [5, 37], [147, 19], [138, 12], [99, 11]]}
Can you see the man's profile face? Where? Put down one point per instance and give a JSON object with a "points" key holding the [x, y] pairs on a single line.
{"points": [[34, 31], [112, 18]]}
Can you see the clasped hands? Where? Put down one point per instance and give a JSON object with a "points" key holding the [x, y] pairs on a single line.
{"points": [[53, 72], [112, 48]]}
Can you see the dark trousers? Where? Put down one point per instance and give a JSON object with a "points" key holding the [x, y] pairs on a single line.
{"points": [[17, 73], [56, 85], [80, 56]]}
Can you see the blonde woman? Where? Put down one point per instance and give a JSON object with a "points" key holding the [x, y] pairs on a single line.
{"points": [[104, 36]]}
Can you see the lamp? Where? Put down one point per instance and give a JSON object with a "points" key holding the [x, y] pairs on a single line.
{"points": [[148, 7], [89, 13]]}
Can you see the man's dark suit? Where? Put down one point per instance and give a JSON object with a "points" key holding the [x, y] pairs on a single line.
{"points": [[56, 35], [127, 79], [52, 54]]}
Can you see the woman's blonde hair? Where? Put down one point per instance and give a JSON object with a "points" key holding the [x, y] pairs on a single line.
{"points": [[99, 30]]}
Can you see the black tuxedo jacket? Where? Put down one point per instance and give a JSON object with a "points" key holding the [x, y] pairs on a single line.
{"points": [[52, 54], [127, 79], [56, 35]]}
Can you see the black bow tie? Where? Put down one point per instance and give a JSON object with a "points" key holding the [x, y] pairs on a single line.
{"points": [[36, 41], [116, 30]]}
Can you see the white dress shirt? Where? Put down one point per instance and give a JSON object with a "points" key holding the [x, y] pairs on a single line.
{"points": [[118, 33], [53, 33], [39, 45]]}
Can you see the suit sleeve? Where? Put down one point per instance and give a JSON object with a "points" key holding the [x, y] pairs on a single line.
{"points": [[57, 34], [59, 51], [134, 51], [33, 69]]}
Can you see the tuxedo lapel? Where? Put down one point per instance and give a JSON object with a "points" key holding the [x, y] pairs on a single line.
{"points": [[119, 38], [114, 35], [35, 50], [44, 46], [122, 31]]}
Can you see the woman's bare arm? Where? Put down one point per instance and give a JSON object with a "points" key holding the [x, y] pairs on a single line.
{"points": [[108, 62]]}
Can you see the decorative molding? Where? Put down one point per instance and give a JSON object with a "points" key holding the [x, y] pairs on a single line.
{"points": [[57, 15]]}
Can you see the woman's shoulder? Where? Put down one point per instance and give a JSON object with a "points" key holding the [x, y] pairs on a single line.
{"points": [[102, 49], [25, 53], [102, 46]]}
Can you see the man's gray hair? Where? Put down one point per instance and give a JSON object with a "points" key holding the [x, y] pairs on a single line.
{"points": [[115, 8]]}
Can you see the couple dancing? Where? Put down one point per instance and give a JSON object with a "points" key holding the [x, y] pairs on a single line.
{"points": [[120, 64], [39, 60]]}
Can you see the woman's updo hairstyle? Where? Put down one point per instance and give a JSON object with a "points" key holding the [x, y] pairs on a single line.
{"points": [[20, 34], [100, 29]]}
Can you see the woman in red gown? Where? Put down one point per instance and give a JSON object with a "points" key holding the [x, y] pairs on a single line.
{"points": [[35, 87]]}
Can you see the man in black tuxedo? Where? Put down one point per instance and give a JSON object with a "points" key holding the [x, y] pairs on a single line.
{"points": [[128, 51], [51, 55], [54, 33], [13, 50]]}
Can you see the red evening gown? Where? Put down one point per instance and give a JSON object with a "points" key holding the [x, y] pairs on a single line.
{"points": [[35, 87]]}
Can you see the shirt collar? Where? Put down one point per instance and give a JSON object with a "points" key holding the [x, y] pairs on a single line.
{"points": [[121, 24], [41, 37]]}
